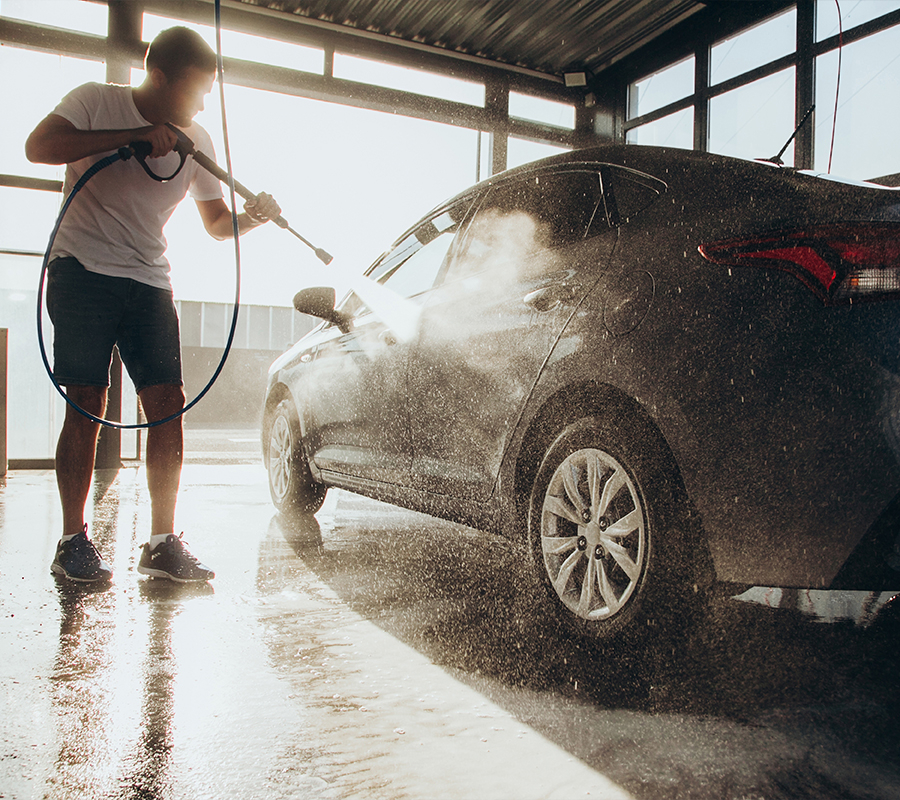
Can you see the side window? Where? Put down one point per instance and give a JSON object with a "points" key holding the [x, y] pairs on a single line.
{"points": [[411, 267], [631, 193], [520, 227]]}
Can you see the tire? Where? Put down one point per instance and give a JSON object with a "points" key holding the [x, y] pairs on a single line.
{"points": [[604, 533], [294, 491]]}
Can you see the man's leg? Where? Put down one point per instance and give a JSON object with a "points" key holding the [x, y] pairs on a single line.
{"points": [[165, 452], [75, 451], [165, 555], [76, 557]]}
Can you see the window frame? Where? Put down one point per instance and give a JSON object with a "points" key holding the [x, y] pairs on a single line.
{"points": [[701, 38]]}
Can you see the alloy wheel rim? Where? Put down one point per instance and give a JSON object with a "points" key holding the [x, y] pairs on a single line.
{"points": [[593, 534], [280, 457]]}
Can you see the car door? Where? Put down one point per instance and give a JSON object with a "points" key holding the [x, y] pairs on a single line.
{"points": [[534, 247], [357, 408]]}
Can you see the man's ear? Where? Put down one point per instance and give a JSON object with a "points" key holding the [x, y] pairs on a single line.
{"points": [[158, 78]]}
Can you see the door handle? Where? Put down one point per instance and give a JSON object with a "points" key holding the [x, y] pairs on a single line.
{"points": [[549, 297]]}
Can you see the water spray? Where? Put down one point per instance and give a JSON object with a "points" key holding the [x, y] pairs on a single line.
{"points": [[398, 313]]}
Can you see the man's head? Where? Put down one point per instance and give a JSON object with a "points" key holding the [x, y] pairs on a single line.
{"points": [[176, 50], [181, 68]]}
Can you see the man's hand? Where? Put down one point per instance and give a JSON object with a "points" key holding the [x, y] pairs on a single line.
{"points": [[217, 220], [262, 208], [55, 140], [160, 137]]}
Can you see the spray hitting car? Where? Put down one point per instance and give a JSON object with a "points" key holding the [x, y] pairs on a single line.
{"points": [[658, 369]]}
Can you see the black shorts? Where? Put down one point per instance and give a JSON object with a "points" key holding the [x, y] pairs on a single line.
{"points": [[92, 312]]}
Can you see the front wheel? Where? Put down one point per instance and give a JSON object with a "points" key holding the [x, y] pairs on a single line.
{"points": [[604, 534], [294, 491]]}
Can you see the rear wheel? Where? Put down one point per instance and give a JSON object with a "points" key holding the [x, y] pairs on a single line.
{"points": [[294, 491], [605, 534]]}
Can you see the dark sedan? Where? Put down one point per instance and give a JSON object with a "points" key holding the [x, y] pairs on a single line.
{"points": [[659, 370]]}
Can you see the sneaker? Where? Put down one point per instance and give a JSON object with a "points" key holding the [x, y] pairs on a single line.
{"points": [[172, 560], [78, 560]]}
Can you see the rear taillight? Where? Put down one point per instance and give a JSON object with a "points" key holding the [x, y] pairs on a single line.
{"points": [[839, 263]]}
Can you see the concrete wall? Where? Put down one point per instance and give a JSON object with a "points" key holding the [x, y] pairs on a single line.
{"points": [[236, 398]]}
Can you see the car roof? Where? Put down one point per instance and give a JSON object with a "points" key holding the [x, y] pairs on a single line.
{"points": [[691, 171]]}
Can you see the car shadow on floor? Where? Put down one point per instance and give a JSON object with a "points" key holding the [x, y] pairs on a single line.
{"points": [[461, 597], [457, 596]]}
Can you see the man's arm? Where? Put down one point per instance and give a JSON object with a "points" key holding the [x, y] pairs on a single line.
{"points": [[55, 140], [216, 215]]}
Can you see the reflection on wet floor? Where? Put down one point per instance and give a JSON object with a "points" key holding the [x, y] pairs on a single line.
{"points": [[370, 652]]}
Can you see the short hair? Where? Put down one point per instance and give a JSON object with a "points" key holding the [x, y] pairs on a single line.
{"points": [[175, 50]]}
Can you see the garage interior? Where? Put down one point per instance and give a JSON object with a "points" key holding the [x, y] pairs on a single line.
{"points": [[519, 81], [505, 81]]}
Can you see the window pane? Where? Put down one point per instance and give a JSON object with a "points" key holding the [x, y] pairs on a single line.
{"points": [[413, 265], [417, 273], [853, 13], [48, 78], [754, 47], [34, 409], [73, 15], [537, 109], [349, 179], [27, 219], [675, 130], [376, 73], [756, 120], [521, 151], [867, 120], [520, 224], [661, 88], [245, 46], [632, 193]]}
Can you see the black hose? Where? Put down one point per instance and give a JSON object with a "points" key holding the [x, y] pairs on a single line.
{"points": [[123, 154]]}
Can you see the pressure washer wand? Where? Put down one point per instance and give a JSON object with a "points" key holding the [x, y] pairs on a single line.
{"points": [[186, 147]]}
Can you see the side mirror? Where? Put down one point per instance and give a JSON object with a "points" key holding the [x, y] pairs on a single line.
{"points": [[318, 301]]}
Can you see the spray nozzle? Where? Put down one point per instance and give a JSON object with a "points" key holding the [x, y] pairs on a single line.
{"points": [[185, 147]]}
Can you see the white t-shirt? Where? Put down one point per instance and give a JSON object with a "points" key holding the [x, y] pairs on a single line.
{"points": [[114, 224]]}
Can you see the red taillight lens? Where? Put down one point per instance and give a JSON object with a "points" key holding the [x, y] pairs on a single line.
{"points": [[840, 263]]}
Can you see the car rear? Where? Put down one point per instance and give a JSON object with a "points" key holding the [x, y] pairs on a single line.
{"points": [[769, 361]]}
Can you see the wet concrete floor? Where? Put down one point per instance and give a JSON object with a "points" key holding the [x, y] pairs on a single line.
{"points": [[376, 653]]}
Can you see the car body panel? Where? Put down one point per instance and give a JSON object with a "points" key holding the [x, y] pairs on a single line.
{"points": [[532, 250], [466, 395], [349, 432], [781, 413]]}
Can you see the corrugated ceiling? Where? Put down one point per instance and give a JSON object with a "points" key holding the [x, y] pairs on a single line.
{"points": [[548, 36]]}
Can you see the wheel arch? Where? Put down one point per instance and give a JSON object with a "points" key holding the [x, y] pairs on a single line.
{"points": [[592, 398]]}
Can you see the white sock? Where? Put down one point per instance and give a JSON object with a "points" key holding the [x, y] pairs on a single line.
{"points": [[67, 537], [158, 539]]}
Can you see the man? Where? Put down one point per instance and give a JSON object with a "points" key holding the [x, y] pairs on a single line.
{"points": [[108, 282]]}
